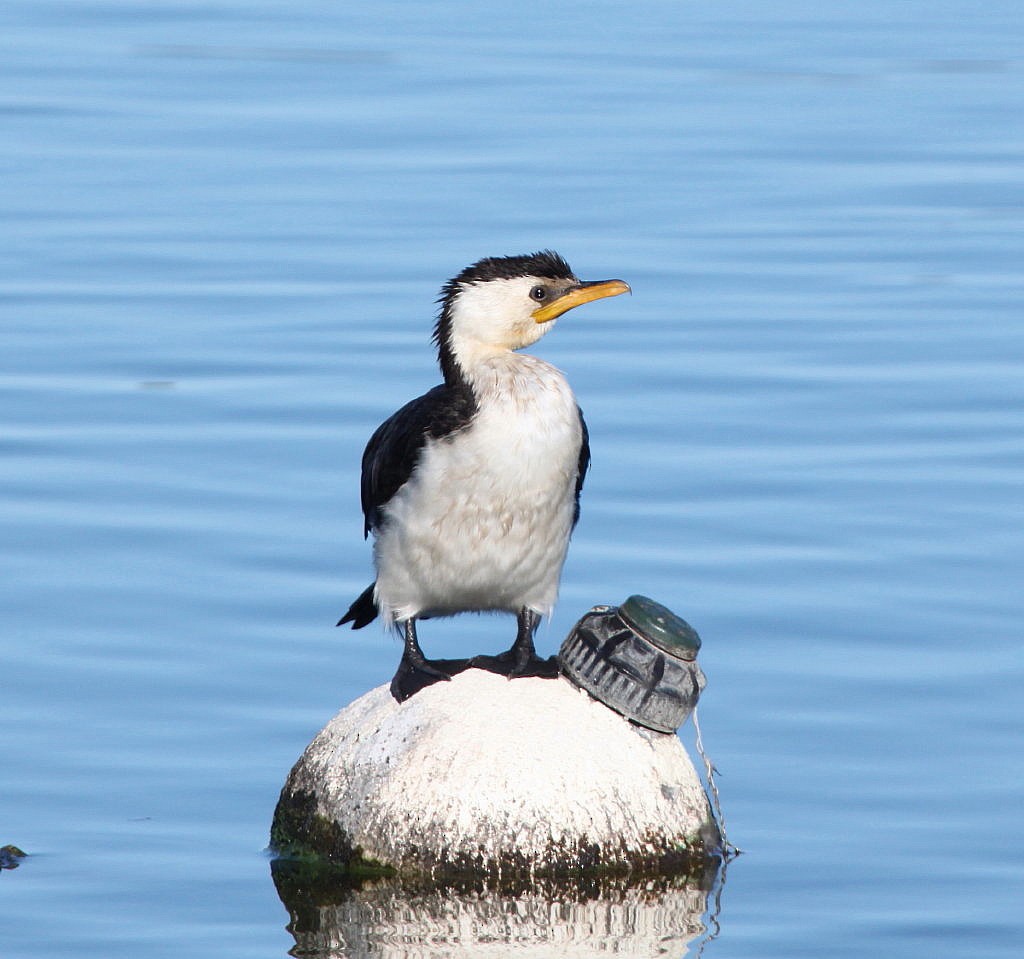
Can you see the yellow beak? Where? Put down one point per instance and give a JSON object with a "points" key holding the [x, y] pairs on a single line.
{"points": [[577, 296]]}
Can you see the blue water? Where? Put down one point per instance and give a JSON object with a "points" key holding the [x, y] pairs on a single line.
{"points": [[223, 229]]}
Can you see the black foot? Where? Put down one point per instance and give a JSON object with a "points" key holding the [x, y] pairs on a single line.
{"points": [[412, 677], [416, 672], [507, 664], [522, 658]]}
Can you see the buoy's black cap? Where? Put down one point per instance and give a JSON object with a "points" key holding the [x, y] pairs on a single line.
{"points": [[639, 659], [661, 627]]}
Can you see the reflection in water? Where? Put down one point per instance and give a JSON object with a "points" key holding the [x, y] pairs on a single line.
{"points": [[652, 916]]}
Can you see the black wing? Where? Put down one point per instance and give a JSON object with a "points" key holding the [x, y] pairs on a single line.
{"points": [[395, 448], [584, 465]]}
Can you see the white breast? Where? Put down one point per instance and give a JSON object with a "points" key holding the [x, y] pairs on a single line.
{"points": [[484, 522]]}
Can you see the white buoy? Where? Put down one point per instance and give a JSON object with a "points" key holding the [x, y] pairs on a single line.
{"points": [[484, 774]]}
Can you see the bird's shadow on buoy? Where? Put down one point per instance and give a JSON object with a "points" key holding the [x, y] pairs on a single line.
{"points": [[409, 680]]}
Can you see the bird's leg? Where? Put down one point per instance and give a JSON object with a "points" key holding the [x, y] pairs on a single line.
{"points": [[521, 659], [523, 651], [413, 656], [415, 671]]}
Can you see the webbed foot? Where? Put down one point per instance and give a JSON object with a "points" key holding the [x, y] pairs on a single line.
{"points": [[521, 659], [416, 672]]}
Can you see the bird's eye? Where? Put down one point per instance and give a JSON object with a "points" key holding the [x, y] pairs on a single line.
{"points": [[539, 293]]}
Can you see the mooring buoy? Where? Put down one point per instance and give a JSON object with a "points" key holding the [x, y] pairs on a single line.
{"points": [[491, 776]]}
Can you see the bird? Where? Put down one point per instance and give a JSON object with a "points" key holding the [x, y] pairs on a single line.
{"points": [[472, 490]]}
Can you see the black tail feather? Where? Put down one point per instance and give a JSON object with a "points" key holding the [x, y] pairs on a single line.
{"points": [[362, 611]]}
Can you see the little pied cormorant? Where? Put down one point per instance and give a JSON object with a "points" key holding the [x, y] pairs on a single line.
{"points": [[472, 490]]}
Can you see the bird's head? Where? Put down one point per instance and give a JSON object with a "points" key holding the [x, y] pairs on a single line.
{"points": [[505, 303]]}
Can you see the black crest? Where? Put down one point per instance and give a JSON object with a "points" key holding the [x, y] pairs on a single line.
{"points": [[546, 263]]}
